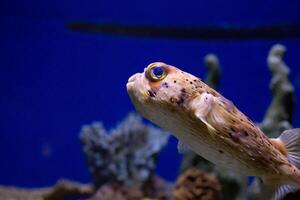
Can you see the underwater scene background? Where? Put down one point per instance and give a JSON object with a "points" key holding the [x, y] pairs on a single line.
{"points": [[55, 79]]}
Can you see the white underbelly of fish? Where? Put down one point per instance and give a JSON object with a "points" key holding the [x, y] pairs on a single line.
{"points": [[185, 132], [215, 154]]}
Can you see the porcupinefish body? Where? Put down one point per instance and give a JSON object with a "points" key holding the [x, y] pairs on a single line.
{"points": [[214, 128]]}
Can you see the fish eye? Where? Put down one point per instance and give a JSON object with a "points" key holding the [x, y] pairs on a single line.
{"points": [[156, 73]]}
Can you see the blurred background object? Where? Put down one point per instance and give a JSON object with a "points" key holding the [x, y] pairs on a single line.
{"points": [[126, 154], [279, 116], [196, 184]]}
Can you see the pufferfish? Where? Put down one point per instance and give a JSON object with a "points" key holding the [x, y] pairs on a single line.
{"points": [[211, 126]]}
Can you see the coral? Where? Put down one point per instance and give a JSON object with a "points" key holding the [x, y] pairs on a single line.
{"points": [[280, 112], [214, 70], [194, 184], [154, 188], [117, 192], [64, 189], [127, 154]]}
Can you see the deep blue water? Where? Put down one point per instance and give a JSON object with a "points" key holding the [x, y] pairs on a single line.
{"points": [[54, 80]]}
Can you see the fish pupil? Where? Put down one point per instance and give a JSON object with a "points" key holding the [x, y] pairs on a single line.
{"points": [[158, 71]]}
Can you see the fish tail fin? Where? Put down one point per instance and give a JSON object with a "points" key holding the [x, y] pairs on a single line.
{"points": [[291, 141], [272, 190], [289, 144]]}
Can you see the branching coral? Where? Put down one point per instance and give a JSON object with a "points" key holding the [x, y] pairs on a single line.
{"points": [[214, 70], [280, 112], [127, 154]]}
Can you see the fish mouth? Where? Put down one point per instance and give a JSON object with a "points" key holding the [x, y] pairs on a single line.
{"points": [[132, 81], [136, 88]]}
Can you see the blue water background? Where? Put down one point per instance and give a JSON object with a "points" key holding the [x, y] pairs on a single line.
{"points": [[54, 80]]}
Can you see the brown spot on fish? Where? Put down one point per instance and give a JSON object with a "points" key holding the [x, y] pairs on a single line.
{"points": [[151, 93], [220, 151], [228, 105], [259, 152], [212, 93], [180, 101], [234, 136], [249, 119], [172, 100], [174, 81], [165, 84], [182, 97]]}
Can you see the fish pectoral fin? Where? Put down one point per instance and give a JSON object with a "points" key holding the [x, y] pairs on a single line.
{"points": [[182, 148], [209, 126], [202, 106]]}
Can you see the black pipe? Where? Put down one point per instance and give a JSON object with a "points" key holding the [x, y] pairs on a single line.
{"points": [[284, 31]]}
